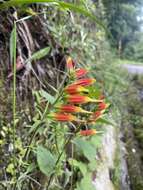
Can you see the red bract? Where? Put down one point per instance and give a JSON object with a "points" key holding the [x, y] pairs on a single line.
{"points": [[80, 72], [70, 63], [63, 117], [78, 99], [102, 106], [88, 132], [101, 97], [85, 82], [96, 115], [72, 109], [74, 89]]}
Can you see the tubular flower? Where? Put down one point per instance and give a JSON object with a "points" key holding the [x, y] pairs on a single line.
{"points": [[85, 82], [88, 132], [80, 72], [62, 117], [74, 89], [70, 63], [72, 109], [78, 99], [101, 97], [95, 116], [102, 106]]}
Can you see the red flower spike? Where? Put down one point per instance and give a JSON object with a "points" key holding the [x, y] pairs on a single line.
{"points": [[70, 63], [74, 89], [88, 132], [72, 109], [80, 72], [85, 82], [62, 117], [78, 99]]}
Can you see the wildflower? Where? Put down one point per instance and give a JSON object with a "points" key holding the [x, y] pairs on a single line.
{"points": [[62, 117], [70, 63], [73, 89], [95, 116], [85, 82], [102, 106], [72, 109], [78, 99], [101, 97], [88, 132], [80, 72]]}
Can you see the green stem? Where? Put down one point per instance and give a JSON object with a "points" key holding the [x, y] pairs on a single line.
{"points": [[14, 94], [58, 159], [72, 166], [14, 84], [36, 129]]}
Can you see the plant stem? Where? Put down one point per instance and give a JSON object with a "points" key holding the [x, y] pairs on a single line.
{"points": [[58, 159], [72, 166], [13, 46]]}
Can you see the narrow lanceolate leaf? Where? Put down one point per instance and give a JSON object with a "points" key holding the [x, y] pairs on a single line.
{"points": [[12, 44], [62, 4], [39, 54], [47, 96], [105, 121], [46, 161]]}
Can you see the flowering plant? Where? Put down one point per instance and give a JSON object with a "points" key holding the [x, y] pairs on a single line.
{"points": [[67, 119], [70, 107]]}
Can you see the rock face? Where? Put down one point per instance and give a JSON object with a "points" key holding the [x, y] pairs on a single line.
{"points": [[107, 155]]}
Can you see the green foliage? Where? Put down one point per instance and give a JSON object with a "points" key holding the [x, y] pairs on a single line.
{"points": [[47, 96], [85, 183], [62, 4], [39, 54], [46, 161], [86, 148], [123, 23]]}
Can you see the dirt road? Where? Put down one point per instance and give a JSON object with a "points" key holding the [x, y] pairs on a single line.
{"points": [[134, 69]]}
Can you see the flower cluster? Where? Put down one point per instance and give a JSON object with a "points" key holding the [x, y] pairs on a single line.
{"points": [[75, 95]]}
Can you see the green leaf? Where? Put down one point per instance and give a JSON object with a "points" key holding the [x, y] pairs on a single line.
{"points": [[105, 121], [79, 165], [88, 150], [86, 183], [47, 96], [39, 54], [12, 43], [46, 161]]}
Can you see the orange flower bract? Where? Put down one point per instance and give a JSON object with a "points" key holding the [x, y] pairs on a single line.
{"points": [[63, 117], [74, 89], [88, 132], [80, 72], [70, 63], [79, 99], [72, 109], [85, 81], [95, 116], [102, 106]]}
